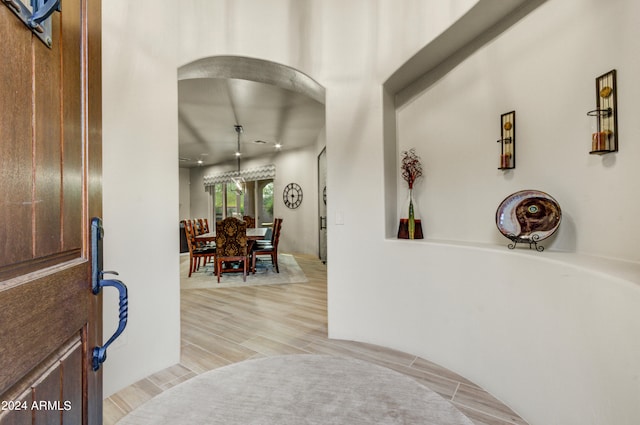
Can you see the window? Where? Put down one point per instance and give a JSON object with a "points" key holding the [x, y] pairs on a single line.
{"points": [[255, 199], [218, 209], [266, 210], [235, 201]]}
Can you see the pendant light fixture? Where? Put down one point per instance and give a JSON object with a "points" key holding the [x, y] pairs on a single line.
{"points": [[239, 180]]}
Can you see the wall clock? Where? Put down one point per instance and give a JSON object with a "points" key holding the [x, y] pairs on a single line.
{"points": [[292, 195]]}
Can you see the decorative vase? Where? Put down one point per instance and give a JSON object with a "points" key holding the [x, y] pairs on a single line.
{"points": [[411, 226]]}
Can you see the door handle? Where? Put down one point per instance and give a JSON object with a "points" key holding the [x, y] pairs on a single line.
{"points": [[99, 354]]}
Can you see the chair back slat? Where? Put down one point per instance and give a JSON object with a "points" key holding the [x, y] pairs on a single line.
{"points": [[206, 225]]}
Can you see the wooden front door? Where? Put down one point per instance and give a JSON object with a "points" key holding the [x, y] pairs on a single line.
{"points": [[50, 170]]}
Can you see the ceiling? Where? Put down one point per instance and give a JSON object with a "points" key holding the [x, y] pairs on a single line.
{"points": [[210, 108]]}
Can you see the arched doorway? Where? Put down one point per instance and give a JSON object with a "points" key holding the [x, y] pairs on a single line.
{"points": [[281, 112]]}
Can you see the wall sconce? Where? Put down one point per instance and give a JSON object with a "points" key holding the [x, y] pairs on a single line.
{"points": [[507, 141], [604, 137]]}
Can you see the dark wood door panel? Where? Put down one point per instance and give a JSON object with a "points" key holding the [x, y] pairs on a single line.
{"points": [[48, 395], [71, 44], [15, 141], [47, 389], [14, 414], [47, 144], [50, 186], [71, 379], [41, 217], [37, 315]]}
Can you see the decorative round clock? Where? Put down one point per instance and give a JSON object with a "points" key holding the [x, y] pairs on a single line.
{"points": [[292, 195]]}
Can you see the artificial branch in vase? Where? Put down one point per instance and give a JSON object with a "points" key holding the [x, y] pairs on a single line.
{"points": [[411, 170]]}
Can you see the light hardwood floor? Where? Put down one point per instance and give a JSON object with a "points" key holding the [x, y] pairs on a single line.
{"points": [[224, 326]]}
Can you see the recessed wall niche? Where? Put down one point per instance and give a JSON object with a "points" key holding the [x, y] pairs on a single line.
{"points": [[459, 41]]}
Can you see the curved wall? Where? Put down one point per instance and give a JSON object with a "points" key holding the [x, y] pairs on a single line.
{"points": [[548, 333], [540, 331], [553, 338]]}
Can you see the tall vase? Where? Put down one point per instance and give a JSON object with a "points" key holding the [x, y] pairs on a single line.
{"points": [[410, 222]]}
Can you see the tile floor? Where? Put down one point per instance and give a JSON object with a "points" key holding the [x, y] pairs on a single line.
{"points": [[224, 326]]}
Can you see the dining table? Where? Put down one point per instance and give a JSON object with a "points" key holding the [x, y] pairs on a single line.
{"points": [[253, 234]]}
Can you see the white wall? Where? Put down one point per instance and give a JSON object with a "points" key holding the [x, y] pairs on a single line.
{"points": [[548, 333], [455, 124], [185, 194], [140, 181], [140, 177]]}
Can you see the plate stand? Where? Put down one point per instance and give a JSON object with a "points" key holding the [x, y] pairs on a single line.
{"points": [[532, 241]]}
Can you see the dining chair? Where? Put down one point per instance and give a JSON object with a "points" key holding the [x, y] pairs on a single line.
{"points": [[251, 222], [268, 237], [205, 222], [271, 250], [203, 226], [188, 226], [193, 227], [197, 226], [231, 246], [197, 253]]}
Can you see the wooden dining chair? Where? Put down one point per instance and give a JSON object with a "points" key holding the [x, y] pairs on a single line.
{"points": [[203, 226], [188, 226], [197, 227], [270, 250], [193, 227], [231, 246], [251, 222], [196, 254], [268, 236]]}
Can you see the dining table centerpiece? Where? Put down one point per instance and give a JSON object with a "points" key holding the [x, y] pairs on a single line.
{"points": [[410, 223]]}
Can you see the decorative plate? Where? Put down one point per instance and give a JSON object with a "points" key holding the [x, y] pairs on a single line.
{"points": [[528, 215]]}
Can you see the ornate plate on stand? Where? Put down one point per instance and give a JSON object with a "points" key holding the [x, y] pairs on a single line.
{"points": [[528, 216]]}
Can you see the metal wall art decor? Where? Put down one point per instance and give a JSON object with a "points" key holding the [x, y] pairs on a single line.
{"points": [[35, 15], [507, 141], [604, 136], [528, 216]]}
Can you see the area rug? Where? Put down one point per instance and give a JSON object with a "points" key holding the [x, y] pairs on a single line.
{"points": [[298, 389], [290, 272]]}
